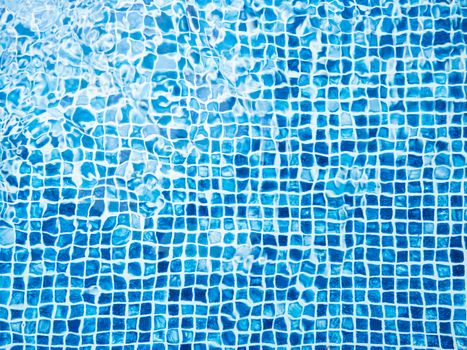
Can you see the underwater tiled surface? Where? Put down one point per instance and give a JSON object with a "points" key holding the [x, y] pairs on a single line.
{"points": [[233, 174]]}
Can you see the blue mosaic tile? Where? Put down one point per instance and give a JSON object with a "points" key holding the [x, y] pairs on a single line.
{"points": [[233, 174]]}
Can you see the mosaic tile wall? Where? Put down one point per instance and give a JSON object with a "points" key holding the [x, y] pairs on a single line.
{"points": [[233, 174]]}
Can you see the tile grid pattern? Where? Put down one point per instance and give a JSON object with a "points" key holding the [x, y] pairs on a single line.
{"points": [[232, 174]]}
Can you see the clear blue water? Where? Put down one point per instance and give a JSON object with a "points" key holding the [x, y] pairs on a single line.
{"points": [[233, 174]]}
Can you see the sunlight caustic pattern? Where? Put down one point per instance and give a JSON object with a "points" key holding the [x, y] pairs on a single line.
{"points": [[233, 174]]}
